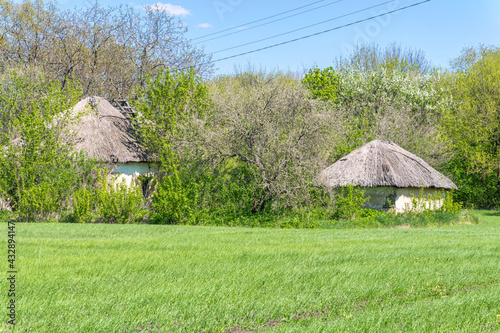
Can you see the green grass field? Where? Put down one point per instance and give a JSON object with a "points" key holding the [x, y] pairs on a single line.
{"points": [[150, 278]]}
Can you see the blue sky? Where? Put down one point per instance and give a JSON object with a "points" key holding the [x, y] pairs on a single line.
{"points": [[440, 28]]}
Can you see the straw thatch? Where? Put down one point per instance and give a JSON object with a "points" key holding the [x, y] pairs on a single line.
{"points": [[104, 133], [380, 164]]}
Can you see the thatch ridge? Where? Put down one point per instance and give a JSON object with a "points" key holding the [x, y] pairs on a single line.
{"points": [[104, 133], [380, 164]]}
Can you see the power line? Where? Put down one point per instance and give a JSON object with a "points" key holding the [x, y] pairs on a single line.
{"points": [[295, 30], [266, 23], [259, 20], [318, 33]]}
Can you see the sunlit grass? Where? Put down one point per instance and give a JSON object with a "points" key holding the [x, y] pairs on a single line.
{"points": [[130, 278]]}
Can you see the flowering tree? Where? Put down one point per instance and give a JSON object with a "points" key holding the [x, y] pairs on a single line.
{"points": [[390, 104]]}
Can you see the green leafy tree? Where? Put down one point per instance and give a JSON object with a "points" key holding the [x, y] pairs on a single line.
{"points": [[323, 83], [168, 106], [39, 169], [472, 125]]}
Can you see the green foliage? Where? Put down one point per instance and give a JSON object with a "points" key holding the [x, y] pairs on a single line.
{"points": [[171, 203], [117, 202], [376, 219], [39, 202], [168, 104], [225, 193], [370, 213], [472, 126], [360, 129], [83, 205], [449, 203], [474, 189], [5, 215], [323, 83], [349, 202], [296, 222], [108, 199], [39, 168]]}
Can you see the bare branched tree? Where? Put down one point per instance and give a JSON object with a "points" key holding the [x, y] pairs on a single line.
{"points": [[371, 57], [268, 122], [109, 50]]}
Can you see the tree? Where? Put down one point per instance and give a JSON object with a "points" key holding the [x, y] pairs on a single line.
{"points": [[323, 83], [403, 106], [169, 104], [473, 125], [109, 50], [371, 57], [39, 169], [267, 124]]}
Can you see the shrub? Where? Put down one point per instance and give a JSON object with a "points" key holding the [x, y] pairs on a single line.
{"points": [[39, 169], [349, 202], [83, 205], [171, 204], [5, 215], [119, 203], [38, 202], [449, 203]]}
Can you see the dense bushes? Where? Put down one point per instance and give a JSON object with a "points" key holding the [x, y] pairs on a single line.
{"points": [[108, 199], [472, 126], [39, 169]]}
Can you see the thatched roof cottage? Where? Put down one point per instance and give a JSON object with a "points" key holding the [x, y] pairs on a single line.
{"points": [[389, 174], [103, 132]]}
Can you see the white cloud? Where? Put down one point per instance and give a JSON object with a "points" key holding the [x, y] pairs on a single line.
{"points": [[241, 28], [174, 10], [205, 25]]}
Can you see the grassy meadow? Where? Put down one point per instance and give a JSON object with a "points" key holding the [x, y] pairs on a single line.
{"points": [[150, 278]]}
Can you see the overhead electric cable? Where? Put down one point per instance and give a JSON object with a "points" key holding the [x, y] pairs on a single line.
{"points": [[298, 29], [266, 23], [259, 20], [318, 33]]}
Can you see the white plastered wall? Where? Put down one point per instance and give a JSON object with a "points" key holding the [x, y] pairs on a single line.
{"points": [[403, 199], [128, 173]]}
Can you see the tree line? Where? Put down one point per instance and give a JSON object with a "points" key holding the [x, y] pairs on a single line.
{"points": [[246, 145]]}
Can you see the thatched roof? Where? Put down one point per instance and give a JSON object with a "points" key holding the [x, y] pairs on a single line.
{"points": [[104, 133], [383, 163]]}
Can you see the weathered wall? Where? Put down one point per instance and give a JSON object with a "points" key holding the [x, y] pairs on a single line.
{"points": [[128, 174], [147, 186], [133, 167], [4, 204], [402, 198]]}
